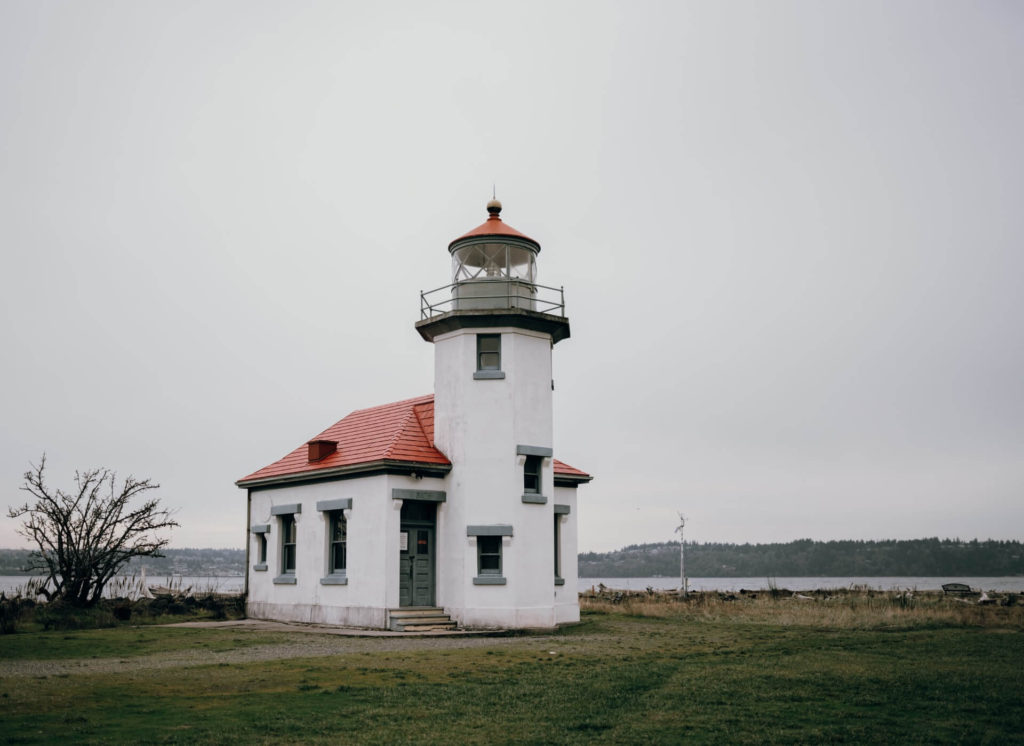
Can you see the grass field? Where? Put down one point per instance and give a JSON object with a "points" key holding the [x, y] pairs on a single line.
{"points": [[770, 671]]}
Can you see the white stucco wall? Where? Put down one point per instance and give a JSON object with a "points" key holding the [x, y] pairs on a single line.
{"points": [[567, 606], [479, 424], [372, 553]]}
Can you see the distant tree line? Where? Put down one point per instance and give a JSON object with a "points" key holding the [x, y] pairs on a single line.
{"points": [[808, 558], [802, 558], [193, 562]]}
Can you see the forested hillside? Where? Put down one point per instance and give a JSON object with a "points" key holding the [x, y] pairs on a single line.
{"points": [[803, 558]]}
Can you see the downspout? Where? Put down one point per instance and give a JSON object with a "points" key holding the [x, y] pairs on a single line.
{"points": [[248, 543]]}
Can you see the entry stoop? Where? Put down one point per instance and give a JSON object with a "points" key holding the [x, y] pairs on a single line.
{"points": [[419, 619]]}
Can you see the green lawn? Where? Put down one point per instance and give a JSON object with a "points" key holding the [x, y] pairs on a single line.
{"points": [[614, 679]]}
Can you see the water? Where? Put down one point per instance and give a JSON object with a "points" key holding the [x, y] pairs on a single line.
{"points": [[1015, 584], [203, 584], [235, 583]]}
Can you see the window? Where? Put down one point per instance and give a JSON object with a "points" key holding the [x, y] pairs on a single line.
{"points": [[531, 475], [558, 550], [339, 539], [488, 553], [259, 537], [560, 511], [288, 542], [488, 549], [488, 356]]}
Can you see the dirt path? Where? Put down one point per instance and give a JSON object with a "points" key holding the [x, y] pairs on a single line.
{"points": [[309, 642]]}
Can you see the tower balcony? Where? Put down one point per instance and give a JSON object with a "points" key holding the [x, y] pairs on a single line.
{"points": [[486, 294], [489, 304]]}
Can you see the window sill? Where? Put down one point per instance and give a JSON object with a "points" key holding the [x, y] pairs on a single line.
{"points": [[484, 375], [334, 580], [559, 581], [534, 499], [488, 580], [261, 567], [285, 580]]}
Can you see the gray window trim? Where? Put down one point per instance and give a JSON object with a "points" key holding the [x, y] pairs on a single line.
{"points": [[261, 567], [484, 375], [260, 528], [562, 509], [334, 579], [489, 580], [534, 499], [541, 451], [286, 509], [434, 496], [495, 530], [344, 503], [285, 580]]}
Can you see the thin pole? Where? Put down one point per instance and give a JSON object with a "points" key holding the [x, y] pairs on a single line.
{"points": [[682, 555]]}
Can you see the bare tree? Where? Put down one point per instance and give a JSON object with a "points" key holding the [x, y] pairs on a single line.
{"points": [[85, 536]]}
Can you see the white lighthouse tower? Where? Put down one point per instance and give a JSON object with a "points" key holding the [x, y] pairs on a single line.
{"points": [[507, 537]]}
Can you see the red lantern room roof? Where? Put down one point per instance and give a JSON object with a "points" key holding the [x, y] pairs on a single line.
{"points": [[494, 226]]}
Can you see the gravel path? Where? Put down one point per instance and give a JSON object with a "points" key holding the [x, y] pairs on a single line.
{"points": [[308, 642]]}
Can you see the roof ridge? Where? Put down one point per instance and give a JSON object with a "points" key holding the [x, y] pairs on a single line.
{"points": [[410, 401], [400, 430], [419, 420]]}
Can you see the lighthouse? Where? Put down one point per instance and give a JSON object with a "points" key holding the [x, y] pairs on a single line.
{"points": [[447, 510], [494, 329]]}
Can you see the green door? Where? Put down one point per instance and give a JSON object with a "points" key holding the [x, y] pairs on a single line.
{"points": [[416, 584], [416, 566]]}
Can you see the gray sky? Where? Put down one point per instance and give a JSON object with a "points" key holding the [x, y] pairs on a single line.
{"points": [[790, 236]]}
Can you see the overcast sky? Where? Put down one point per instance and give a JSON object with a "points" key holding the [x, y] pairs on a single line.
{"points": [[791, 237]]}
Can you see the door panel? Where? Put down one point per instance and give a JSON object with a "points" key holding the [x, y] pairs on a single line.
{"points": [[416, 567]]}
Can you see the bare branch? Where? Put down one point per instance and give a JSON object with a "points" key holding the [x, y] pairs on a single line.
{"points": [[84, 537]]}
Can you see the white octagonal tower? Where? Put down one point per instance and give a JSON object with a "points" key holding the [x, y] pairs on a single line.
{"points": [[506, 534]]}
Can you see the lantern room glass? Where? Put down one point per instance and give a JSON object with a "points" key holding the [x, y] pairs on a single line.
{"points": [[494, 261]]}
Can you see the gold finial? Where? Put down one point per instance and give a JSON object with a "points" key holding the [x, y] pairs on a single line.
{"points": [[494, 207]]}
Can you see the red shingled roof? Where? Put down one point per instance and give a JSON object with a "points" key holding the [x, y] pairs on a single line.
{"points": [[401, 432], [564, 470]]}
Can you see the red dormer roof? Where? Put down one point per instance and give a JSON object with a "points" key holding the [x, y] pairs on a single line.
{"points": [[494, 226], [400, 434]]}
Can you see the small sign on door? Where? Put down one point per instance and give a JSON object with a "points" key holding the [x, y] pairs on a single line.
{"points": [[403, 541]]}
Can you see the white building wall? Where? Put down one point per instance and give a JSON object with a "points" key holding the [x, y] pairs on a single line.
{"points": [[372, 553], [567, 605], [478, 424]]}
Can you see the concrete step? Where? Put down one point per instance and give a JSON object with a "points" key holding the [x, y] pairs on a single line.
{"points": [[420, 620], [433, 627], [407, 611]]}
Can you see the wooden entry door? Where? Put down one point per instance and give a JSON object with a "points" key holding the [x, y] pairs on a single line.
{"points": [[416, 581]]}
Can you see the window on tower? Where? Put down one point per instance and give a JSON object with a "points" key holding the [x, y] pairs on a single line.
{"points": [[488, 356], [531, 475]]}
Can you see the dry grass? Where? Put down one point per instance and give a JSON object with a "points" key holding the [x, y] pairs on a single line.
{"points": [[834, 608]]}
